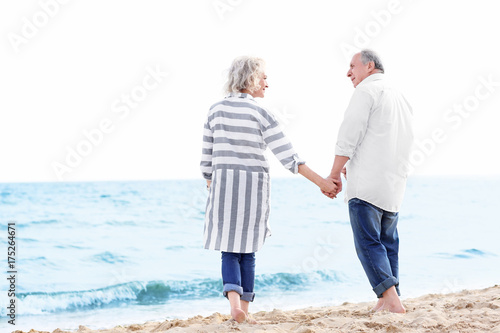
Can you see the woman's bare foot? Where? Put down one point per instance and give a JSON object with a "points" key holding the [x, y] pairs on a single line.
{"points": [[244, 307], [236, 312], [238, 315]]}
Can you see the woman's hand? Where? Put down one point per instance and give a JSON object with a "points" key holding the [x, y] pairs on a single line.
{"points": [[338, 168], [338, 186], [329, 188]]}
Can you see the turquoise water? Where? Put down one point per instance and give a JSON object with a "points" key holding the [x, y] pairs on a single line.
{"points": [[103, 254]]}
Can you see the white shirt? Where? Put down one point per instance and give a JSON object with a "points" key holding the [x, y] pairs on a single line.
{"points": [[377, 135]]}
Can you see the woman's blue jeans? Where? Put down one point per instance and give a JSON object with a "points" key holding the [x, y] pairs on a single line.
{"points": [[377, 244], [238, 274]]}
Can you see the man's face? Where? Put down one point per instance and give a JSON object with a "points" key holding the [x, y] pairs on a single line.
{"points": [[357, 71]]}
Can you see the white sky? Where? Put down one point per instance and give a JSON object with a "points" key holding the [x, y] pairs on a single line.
{"points": [[71, 72]]}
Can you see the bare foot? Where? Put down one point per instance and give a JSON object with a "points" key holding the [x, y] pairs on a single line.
{"points": [[396, 307], [390, 302], [378, 305], [252, 321], [238, 315], [244, 307]]}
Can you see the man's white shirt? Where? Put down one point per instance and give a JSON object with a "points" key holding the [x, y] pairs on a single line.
{"points": [[377, 136]]}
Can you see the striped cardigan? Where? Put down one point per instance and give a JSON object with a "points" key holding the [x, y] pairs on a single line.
{"points": [[236, 134]]}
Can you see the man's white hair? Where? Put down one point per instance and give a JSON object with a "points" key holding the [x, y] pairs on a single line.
{"points": [[369, 55]]}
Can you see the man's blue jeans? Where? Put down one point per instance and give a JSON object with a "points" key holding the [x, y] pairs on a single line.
{"points": [[377, 244], [238, 274]]}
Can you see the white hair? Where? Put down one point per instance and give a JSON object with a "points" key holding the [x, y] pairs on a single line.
{"points": [[369, 55], [245, 73]]}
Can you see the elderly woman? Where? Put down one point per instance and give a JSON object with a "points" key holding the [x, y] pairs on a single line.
{"points": [[236, 134]]}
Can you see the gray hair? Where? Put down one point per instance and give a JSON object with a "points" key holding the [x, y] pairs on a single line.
{"points": [[245, 73], [369, 55]]}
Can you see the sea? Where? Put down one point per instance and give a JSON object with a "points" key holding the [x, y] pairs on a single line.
{"points": [[103, 254]]}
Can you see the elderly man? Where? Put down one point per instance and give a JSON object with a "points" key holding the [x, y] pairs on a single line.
{"points": [[375, 138]]}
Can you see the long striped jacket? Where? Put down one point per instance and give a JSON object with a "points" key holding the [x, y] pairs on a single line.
{"points": [[236, 134]]}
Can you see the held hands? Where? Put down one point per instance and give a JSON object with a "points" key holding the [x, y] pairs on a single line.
{"points": [[333, 179], [337, 169], [329, 187]]}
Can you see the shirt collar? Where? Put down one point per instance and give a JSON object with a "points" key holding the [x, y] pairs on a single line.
{"points": [[371, 78], [239, 95]]}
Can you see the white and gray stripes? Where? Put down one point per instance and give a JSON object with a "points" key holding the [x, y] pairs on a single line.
{"points": [[237, 211], [236, 134]]}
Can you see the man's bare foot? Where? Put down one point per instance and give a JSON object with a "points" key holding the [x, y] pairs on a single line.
{"points": [[238, 315], [390, 302], [393, 307], [378, 305]]}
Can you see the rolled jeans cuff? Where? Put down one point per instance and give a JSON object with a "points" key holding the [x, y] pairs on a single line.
{"points": [[245, 296], [232, 287], [248, 296], [386, 284]]}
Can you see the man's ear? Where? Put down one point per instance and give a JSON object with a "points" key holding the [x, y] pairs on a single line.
{"points": [[371, 66]]}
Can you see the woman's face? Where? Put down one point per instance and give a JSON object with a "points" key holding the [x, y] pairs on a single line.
{"points": [[262, 87]]}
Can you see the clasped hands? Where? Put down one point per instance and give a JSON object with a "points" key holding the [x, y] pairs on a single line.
{"points": [[331, 187], [333, 184]]}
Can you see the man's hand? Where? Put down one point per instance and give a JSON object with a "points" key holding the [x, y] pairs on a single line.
{"points": [[337, 181], [329, 188], [338, 168]]}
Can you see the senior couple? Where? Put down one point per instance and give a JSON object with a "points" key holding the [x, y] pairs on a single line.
{"points": [[372, 151]]}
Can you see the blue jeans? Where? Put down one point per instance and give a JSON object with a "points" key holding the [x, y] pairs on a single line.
{"points": [[377, 244], [238, 274]]}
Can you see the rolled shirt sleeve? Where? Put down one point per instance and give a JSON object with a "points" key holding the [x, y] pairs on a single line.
{"points": [[281, 147], [355, 123], [206, 152]]}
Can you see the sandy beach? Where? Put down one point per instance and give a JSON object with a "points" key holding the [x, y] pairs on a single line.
{"points": [[466, 311]]}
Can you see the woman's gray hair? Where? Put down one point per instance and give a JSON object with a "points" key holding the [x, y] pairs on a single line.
{"points": [[245, 73], [369, 55]]}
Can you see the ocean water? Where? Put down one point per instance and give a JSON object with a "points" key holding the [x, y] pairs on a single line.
{"points": [[102, 254]]}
